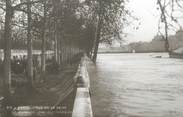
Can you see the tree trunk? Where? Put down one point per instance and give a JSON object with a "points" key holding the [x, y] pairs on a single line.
{"points": [[43, 50], [167, 46], [96, 45], [7, 47], [98, 33], [55, 31], [55, 45], [29, 46], [58, 47], [7, 57]]}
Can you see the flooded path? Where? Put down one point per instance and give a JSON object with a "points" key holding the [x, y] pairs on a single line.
{"points": [[137, 85]]}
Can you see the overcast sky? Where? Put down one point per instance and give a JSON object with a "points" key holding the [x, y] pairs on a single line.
{"points": [[146, 11]]}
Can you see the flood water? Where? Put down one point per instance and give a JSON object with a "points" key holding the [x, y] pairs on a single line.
{"points": [[137, 85]]}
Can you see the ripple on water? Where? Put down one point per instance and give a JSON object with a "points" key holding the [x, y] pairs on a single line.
{"points": [[137, 85]]}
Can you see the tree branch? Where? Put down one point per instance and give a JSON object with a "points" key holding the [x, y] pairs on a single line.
{"points": [[25, 3], [2, 6], [25, 11], [14, 24]]}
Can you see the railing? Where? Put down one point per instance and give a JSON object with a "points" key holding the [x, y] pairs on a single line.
{"points": [[82, 104]]}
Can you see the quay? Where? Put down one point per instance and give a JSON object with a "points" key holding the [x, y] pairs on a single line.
{"points": [[82, 104]]}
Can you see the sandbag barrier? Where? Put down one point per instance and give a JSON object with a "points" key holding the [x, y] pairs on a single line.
{"points": [[82, 103]]}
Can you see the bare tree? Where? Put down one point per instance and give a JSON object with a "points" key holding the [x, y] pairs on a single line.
{"points": [[164, 20], [168, 10]]}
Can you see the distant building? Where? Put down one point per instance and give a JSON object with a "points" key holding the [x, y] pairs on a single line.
{"points": [[158, 43]]}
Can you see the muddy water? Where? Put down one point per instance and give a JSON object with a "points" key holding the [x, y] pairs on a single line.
{"points": [[137, 85]]}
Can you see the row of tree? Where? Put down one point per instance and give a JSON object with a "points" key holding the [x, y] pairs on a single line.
{"points": [[69, 26]]}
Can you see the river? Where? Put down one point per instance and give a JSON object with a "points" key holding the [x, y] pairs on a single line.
{"points": [[137, 85]]}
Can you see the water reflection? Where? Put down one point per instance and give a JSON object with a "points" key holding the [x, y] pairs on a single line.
{"points": [[137, 85]]}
